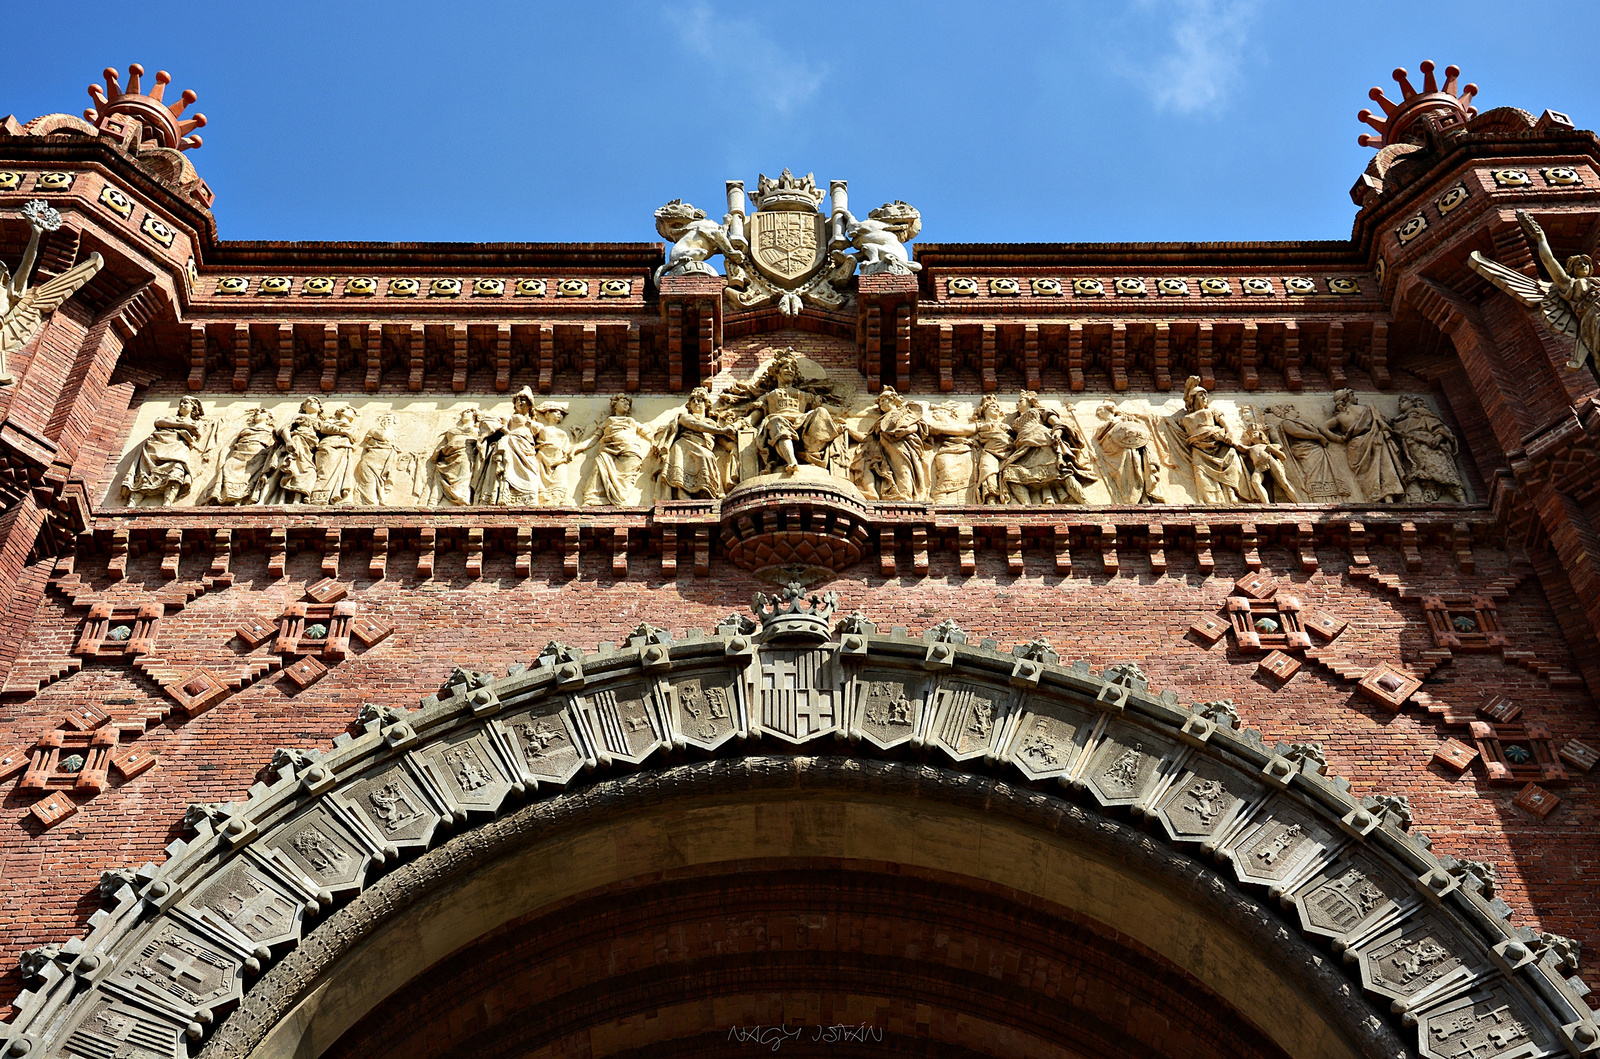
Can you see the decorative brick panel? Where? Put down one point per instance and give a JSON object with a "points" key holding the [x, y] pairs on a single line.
{"points": [[1518, 753], [52, 810], [1388, 686]]}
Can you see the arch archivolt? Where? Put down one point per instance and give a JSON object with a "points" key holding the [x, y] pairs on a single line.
{"points": [[1086, 791]]}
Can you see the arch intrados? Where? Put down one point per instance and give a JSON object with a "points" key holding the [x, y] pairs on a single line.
{"points": [[852, 811]]}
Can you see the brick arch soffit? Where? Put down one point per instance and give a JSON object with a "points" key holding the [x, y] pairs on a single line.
{"points": [[246, 889]]}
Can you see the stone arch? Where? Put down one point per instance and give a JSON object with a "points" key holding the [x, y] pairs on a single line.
{"points": [[1082, 806]]}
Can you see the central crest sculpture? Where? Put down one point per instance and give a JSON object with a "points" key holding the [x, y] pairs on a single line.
{"points": [[786, 251]]}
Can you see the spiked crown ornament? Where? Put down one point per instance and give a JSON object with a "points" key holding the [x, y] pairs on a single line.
{"points": [[164, 120], [1400, 117], [793, 615], [788, 192]]}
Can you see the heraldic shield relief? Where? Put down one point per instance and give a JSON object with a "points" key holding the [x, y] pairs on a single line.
{"points": [[787, 245]]}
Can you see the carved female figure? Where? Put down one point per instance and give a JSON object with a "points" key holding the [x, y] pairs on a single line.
{"points": [[554, 449], [1220, 476], [993, 444], [623, 444], [1307, 445], [1430, 451], [1132, 466], [164, 469], [1369, 446], [456, 459], [297, 459], [1044, 464], [512, 473], [375, 469], [335, 456], [242, 476], [690, 446], [889, 463], [953, 461]]}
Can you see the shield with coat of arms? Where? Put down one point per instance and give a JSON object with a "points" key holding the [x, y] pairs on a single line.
{"points": [[787, 245]]}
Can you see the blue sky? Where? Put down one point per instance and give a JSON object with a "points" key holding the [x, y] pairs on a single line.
{"points": [[1152, 120]]}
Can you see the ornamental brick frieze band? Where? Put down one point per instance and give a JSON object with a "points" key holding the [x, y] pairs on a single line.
{"points": [[180, 944]]}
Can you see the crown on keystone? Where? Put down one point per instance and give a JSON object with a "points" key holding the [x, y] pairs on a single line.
{"points": [[792, 614], [1399, 117], [166, 120]]}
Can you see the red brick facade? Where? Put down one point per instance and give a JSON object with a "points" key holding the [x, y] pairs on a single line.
{"points": [[207, 687]]}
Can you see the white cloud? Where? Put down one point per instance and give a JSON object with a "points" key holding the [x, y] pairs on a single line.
{"points": [[1208, 40], [745, 56]]}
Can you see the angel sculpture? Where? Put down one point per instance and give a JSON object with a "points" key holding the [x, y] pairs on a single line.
{"points": [[22, 311], [1569, 300]]}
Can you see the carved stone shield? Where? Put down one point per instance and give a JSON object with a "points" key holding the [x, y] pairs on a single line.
{"points": [[887, 705], [550, 748], [1419, 957], [395, 808], [111, 1028], [705, 707], [787, 245], [799, 694], [254, 906], [1485, 1025], [1202, 803], [179, 970], [969, 717], [1348, 897], [322, 848]]}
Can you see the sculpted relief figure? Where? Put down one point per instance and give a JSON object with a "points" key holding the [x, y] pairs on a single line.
{"points": [[791, 417], [296, 460], [955, 460], [1046, 464], [22, 310], [1129, 458], [374, 472], [694, 467], [1307, 445], [623, 443], [1569, 301], [512, 472], [554, 449], [1430, 450], [889, 462], [1269, 467], [1220, 475], [1369, 446], [335, 456], [992, 446], [695, 240], [168, 459], [458, 457], [242, 478]]}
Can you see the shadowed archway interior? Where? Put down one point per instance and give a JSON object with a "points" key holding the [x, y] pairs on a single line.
{"points": [[698, 961]]}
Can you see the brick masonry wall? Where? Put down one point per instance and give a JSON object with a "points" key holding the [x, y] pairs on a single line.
{"points": [[1548, 869]]}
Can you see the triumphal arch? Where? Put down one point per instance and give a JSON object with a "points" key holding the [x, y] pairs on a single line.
{"points": [[798, 635]]}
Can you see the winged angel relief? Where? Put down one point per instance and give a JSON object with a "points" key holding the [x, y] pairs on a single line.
{"points": [[22, 310], [1569, 300]]}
